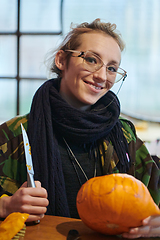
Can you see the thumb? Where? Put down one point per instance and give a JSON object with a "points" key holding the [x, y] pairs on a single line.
{"points": [[38, 184], [24, 184]]}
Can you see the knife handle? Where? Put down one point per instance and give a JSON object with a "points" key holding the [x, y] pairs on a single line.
{"points": [[30, 181]]}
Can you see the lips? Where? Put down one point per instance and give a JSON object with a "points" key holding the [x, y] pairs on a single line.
{"points": [[95, 85]]}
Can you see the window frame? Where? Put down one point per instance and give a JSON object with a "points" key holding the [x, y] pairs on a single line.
{"points": [[18, 34]]}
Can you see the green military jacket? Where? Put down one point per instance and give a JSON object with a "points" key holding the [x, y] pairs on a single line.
{"points": [[13, 168]]}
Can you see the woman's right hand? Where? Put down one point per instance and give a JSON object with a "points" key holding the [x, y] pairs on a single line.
{"points": [[26, 200]]}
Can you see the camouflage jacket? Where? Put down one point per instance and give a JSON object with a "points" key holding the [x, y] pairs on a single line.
{"points": [[13, 167]]}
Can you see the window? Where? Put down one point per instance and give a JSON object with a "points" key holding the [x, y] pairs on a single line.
{"points": [[30, 28], [138, 22]]}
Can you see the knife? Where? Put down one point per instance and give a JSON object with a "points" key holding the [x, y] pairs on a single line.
{"points": [[29, 164]]}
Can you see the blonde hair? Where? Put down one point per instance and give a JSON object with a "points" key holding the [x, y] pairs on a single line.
{"points": [[72, 41]]}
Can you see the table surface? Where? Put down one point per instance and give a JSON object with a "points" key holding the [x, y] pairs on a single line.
{"points": [[57, 228]]}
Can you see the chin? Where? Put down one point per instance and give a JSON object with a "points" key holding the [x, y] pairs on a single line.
{"points": [[92, 102], [88, 101]]}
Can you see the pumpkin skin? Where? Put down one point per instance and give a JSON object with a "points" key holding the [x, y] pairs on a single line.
{"points": [[12, 224], [114, 203]]}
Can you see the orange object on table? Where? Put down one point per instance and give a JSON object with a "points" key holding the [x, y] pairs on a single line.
{"points": [[12, 225]]}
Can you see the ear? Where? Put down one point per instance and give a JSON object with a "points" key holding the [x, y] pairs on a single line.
{"points": [[60, 60]]}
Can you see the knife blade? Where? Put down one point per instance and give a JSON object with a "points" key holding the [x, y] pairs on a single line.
{"points": [[29, 164]]}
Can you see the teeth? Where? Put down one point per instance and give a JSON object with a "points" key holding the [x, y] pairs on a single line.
{"points": [[95, 86]]}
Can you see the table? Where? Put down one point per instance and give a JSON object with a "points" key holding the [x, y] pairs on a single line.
{"points": [[57, 228]]}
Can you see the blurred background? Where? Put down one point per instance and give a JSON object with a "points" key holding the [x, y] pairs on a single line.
{"points": [[30, 29]]}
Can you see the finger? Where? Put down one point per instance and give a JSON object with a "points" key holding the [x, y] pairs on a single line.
{"points": [[35, 192], [33, 210], [33, 218], [143, 230], [24, 184], [34, 201], [154, 232], [137, 232], [146, 231], [38, 184], [152, 221], [130, 236], [39, 192]]}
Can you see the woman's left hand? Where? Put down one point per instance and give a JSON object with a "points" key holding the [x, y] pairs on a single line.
{"points": [[150, 228]]}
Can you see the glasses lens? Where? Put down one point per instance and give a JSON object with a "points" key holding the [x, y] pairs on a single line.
{"points": [[92, 62], [120, 74]]}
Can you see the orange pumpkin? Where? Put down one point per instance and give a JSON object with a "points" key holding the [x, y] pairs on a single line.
{"points": [[114, 203], [12, 225]]}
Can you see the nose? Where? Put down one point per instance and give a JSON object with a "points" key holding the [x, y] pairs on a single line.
{"points": [[101, 74]]}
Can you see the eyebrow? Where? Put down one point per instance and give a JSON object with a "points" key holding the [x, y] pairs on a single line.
{"points": [[115, 62], [111, 62]]}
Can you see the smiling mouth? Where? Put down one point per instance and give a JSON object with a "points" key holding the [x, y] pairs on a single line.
{"points": [[94, 85]]}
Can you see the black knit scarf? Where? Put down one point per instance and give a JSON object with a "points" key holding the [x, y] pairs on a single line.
{"points": [[49, 114]]}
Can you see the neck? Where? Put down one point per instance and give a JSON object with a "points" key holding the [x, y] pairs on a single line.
{"points": [[74, 102]]}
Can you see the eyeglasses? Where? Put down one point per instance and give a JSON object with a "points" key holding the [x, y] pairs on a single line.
{"points": [[92, 62]]}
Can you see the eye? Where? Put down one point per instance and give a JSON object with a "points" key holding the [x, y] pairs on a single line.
{"points": [[112, 69], [90, 60]]}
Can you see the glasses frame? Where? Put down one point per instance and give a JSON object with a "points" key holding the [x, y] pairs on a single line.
{"points": [[82, 55]]}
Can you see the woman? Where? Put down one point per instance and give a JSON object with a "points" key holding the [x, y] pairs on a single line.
{"points": [[75, 131]]}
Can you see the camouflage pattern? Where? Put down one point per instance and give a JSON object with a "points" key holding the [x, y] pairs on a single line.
{"points": [[13, 168], [12, 159]]}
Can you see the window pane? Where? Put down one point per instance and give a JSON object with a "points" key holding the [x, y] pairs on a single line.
{"points": [[8, 56], [33, 52], [8, 15], [27, 91], [40, 15], [7, 99], [138, 21]]}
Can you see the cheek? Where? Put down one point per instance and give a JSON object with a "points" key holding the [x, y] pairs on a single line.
{"points": [[109, 85], [104, 92], [71, 73], [76, 76]]}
